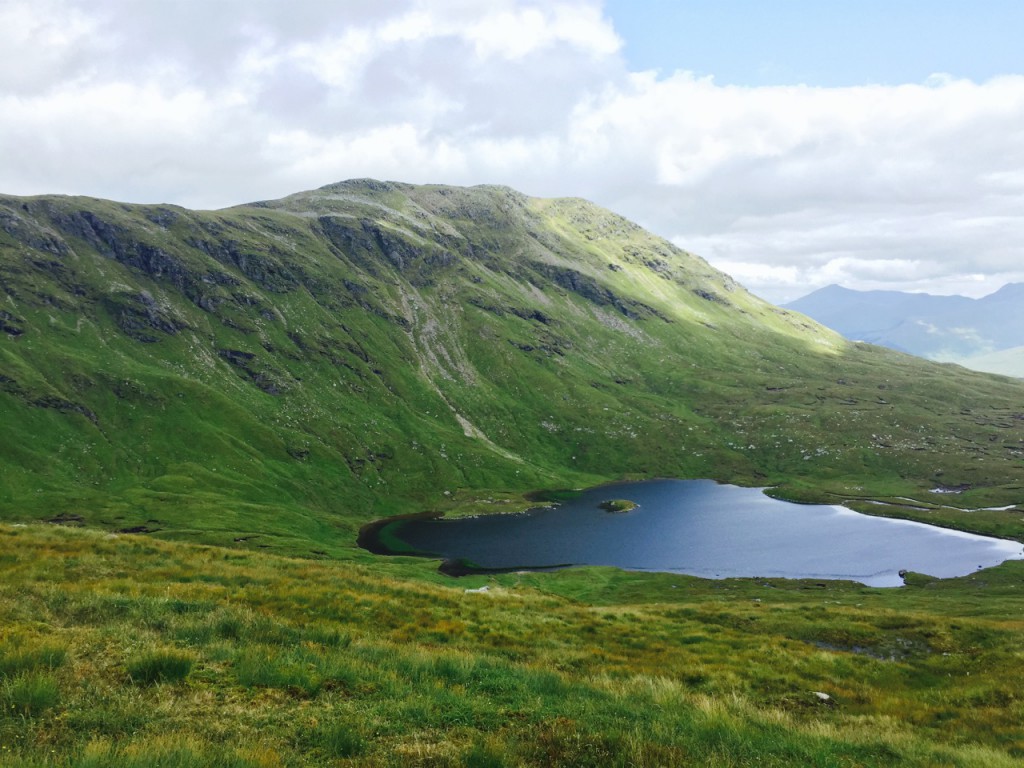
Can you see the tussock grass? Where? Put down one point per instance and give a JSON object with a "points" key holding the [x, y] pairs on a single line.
{"points": [[23, 655], [279, 662], [159, 666], [28, 694], [170, 751], [337, 738]]}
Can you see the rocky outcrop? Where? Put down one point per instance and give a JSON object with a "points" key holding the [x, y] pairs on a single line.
{"points": [[258, 372], [590, 289], [140, 316]]}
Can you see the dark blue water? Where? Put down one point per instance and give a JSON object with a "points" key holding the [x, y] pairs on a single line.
{"points": [[701, 528]]}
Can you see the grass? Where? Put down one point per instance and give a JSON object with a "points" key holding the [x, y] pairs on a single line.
{"points": [[255, 659], [618, 505], [338, 738], [159, 666], [28, 694], [15, 659]]}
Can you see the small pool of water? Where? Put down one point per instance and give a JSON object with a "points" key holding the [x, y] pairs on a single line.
{"points": [[701, 528]]}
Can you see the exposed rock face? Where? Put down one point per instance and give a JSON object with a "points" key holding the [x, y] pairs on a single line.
{"points": [[11, 324], [139, 316]]}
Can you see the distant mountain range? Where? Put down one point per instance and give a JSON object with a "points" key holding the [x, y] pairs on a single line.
{"points": [[985, 334]]}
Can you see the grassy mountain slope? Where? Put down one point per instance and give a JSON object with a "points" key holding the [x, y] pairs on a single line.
{"points": [[280, 372]]}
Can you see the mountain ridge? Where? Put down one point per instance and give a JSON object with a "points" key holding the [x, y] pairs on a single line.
{"points": [[944, 328]]}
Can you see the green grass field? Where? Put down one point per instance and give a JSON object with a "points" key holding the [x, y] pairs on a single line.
{"points": [[124, 651]]}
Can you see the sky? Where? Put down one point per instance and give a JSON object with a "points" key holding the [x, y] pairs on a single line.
{"points": [[791, 143]]}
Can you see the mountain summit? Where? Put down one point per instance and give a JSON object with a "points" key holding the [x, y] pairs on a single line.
{"points": [[293, 368]]}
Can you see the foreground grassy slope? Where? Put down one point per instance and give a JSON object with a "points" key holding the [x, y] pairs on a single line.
{"points": [[123, 651], [276, 374]]}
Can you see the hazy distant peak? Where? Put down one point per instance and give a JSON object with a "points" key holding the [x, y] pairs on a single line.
{"points": [[1009, 292], [948, 328]]}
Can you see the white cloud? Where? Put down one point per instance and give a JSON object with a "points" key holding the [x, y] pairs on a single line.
{"points": [[517, 32], [866, 186], [40, 42], [788, 188]]}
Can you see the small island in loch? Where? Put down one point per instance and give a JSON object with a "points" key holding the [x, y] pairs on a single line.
{"points": [[618, 506]]}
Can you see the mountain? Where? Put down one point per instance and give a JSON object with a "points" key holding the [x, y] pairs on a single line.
{"points": [[279, 373], [947, 328]]}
